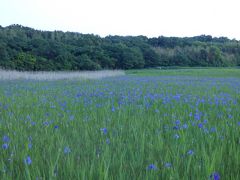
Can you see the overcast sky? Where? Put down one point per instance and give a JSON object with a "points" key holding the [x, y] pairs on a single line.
{"points": [[151, 18]]}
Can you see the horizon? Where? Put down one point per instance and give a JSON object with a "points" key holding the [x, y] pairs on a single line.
{"points": [[150, 18]]}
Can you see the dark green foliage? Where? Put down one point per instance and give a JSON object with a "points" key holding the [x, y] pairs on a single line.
{"points": [[24, 61], [24, 48], [83, 62]]}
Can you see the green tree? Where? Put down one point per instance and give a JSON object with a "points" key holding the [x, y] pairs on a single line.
{"points": [[85, 63], [25, 61], [24, 48], [132, 58], [4, 57], [215, 56]]}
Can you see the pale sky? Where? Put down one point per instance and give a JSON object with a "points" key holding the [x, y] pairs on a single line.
{"points": [[151, 18]]}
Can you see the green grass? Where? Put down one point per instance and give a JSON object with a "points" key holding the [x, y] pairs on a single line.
{"points": [[207, 72], [149, 120]]}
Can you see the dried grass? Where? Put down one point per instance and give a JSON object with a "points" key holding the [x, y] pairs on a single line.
{"points": [[58, 75]]}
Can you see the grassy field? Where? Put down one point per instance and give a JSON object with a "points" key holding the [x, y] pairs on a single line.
{"points": [[207, 72], [149, 124]]}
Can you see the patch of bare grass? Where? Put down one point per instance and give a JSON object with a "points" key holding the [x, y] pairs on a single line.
{"points": [[58, 75]]}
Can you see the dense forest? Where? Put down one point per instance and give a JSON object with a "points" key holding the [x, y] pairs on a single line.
{"points": [[23, 48]]}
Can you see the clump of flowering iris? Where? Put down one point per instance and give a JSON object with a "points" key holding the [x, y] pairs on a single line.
{"points": [[67, 150], [184, 126], [200, 125], [108, 141], [176, 127], [33, 123], [113, 108], [215, 176], [46, 123], [28, 160], [176, 136], [177, 122], [104, 130], [213, 129], [190, 152], [71, 118], [5, 146], [152, 167], [197, 116], [6, 139], [168, 165], [30, 146]]}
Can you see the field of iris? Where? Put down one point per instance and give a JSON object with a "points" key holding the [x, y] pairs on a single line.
{"points": [[144, 125]]}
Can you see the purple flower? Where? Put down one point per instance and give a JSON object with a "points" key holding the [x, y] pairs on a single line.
{"points": [[28, 160], [45, 123], [33, 123], [104, 130], [185, 126], [176, 127], [6, 139], [108, 141], [52, 106], [200, 125], [190, 114], [71, 118], [151, 167], [176, 136], [30, 146], [28, 117], [168, 165], [190, 152], [197, 116], [213, 129], [56, 127], [215, 176], [113, 109], [67, 150], [238, 123], [5, 146], [177, 122]]}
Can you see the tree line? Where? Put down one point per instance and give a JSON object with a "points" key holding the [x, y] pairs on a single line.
{"points": [[24, 48]]}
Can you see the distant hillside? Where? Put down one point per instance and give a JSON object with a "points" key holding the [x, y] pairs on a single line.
{"points": [[23, 48]]}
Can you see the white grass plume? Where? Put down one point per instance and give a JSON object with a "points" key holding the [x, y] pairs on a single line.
{"points": [[57, 75]]}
